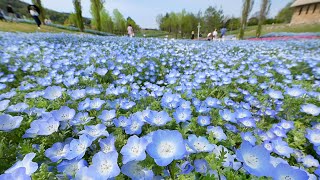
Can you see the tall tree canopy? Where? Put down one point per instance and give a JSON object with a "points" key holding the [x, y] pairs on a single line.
{"points": [[246, 9], [96, 8], [265, 7]]}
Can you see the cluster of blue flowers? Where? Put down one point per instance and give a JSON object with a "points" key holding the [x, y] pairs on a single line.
{"points": [[87, 107]]}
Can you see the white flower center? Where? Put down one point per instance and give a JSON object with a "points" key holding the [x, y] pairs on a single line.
{"points": [[166, 149], [315, 138], [286, 177], [251, 160], [135, 149], [200, 146], [105, 167]]}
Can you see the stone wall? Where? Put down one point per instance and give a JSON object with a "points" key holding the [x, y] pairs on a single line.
{"points": [[307, 14]]}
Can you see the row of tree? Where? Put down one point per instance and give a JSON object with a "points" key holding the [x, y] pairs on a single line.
{"points": [[183, 22], [101, 19]]}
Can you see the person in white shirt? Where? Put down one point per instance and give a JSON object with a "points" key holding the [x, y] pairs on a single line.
{"points": [[34, 12], [130, 31], [215, 34]]}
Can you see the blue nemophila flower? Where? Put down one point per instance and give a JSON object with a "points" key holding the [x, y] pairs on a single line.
{"points": [[64, 114], [256, 160], [247, 136], [156, 118], [105, 165], [166, 146], [44, 126], [4, 104], [17, 174], [212, 102], [84, 173], [102, 71], [281, 147], [201, 166], [285, 171], [20, 107], [136, 172], [276, 161], [77, 94], [295, 92], [287, 125], [81, 118], [185, 168], [278, 131], [231, 128], [52, 92], [310, 109], [95, 131], [96, 104], [182, 115], [27, 163], [203, 120], [199, 144], [242, 113], [57, 151], [107, 144], [70, 168], [317, 149], [309, 161], [170, 100], [134, 150], [122, 121], [217, 132], [8, 122], [268, 146], [248, 122], [84, 105], [78, 147], [274, 94], [136, 125]]}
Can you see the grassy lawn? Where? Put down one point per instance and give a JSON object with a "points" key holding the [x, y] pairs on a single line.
{"points": [[29, 28], [251, 30]]}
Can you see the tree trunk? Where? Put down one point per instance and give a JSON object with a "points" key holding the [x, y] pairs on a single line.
{"points": [[263, 13], [247, 7], [77, 6]]}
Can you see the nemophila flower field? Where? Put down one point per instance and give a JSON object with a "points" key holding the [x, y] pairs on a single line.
{"points": [[87, 107]]}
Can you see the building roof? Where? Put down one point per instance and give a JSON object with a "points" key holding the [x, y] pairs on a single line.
{"points": [[304, 2]]}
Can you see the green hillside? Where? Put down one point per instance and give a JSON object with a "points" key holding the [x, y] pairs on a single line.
{"points": [[21, 8]]}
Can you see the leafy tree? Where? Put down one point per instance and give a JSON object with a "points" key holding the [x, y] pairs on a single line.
{"points": [[42, 11], [119, 22], [233, 23], [96, 8], [285, 15], [79, 20], [265, 7], [213, 19], [247, 7], [134, 25], [107, 23], [72, 20]]}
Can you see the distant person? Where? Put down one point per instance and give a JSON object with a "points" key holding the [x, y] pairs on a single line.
{"points": [[192, 35], [223, 32], [209, 36], [35, 12], [10, 12], [130, 31], [215, 34], [2, 18]]}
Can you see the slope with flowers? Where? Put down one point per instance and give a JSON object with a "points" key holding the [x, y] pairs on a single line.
{"points": [[87, 107]]}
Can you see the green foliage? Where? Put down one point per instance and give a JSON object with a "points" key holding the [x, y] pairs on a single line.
{"points": [[96, 8], [79, 22], [119, 22], [285, 15], [263, 13]]}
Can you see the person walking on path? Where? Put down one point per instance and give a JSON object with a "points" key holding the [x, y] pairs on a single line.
{"points": [[215, 34], [223, 32], [192, 35], [35, 12], [10, 12], [130, 31]]}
